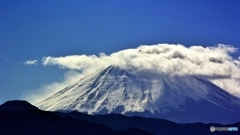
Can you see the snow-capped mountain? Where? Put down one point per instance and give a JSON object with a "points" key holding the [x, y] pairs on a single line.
{"points": [[177, 98]]}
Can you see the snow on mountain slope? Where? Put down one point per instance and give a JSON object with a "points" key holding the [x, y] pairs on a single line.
{"points": [[177, 98]]}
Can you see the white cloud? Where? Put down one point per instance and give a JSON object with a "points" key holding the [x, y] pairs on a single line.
{"points": [[46, 90], [31, 62], [161, 58], [215, 62]]}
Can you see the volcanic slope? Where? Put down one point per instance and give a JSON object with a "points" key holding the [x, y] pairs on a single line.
{"points": [[181, 99]]}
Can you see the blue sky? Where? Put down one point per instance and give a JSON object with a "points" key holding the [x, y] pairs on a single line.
{"points": [[34, 29]]}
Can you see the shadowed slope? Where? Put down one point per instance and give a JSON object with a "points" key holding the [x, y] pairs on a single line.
{"points": [[17, 105], [37, 122], [151, 125]]}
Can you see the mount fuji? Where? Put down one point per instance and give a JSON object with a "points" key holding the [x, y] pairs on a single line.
{"points": [[182, 99]]}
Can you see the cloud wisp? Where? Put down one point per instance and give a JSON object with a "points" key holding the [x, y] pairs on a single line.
{"points": [[31, 62], [46, 90], [214, 63]]}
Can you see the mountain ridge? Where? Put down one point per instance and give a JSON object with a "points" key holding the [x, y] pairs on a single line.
{"points": [[151, 125], [38, 122], [17, 105]]}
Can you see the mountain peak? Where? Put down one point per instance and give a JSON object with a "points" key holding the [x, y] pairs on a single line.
{"points": [[138, 93], [17, 105]]}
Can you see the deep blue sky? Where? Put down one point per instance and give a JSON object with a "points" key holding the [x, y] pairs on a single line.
{"points": [[31, 29]]}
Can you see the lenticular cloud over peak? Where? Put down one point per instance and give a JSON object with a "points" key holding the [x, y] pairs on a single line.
{"points": [[215, 62]]}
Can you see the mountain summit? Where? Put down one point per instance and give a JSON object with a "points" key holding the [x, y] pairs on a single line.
{"points": [[181, 99]]}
